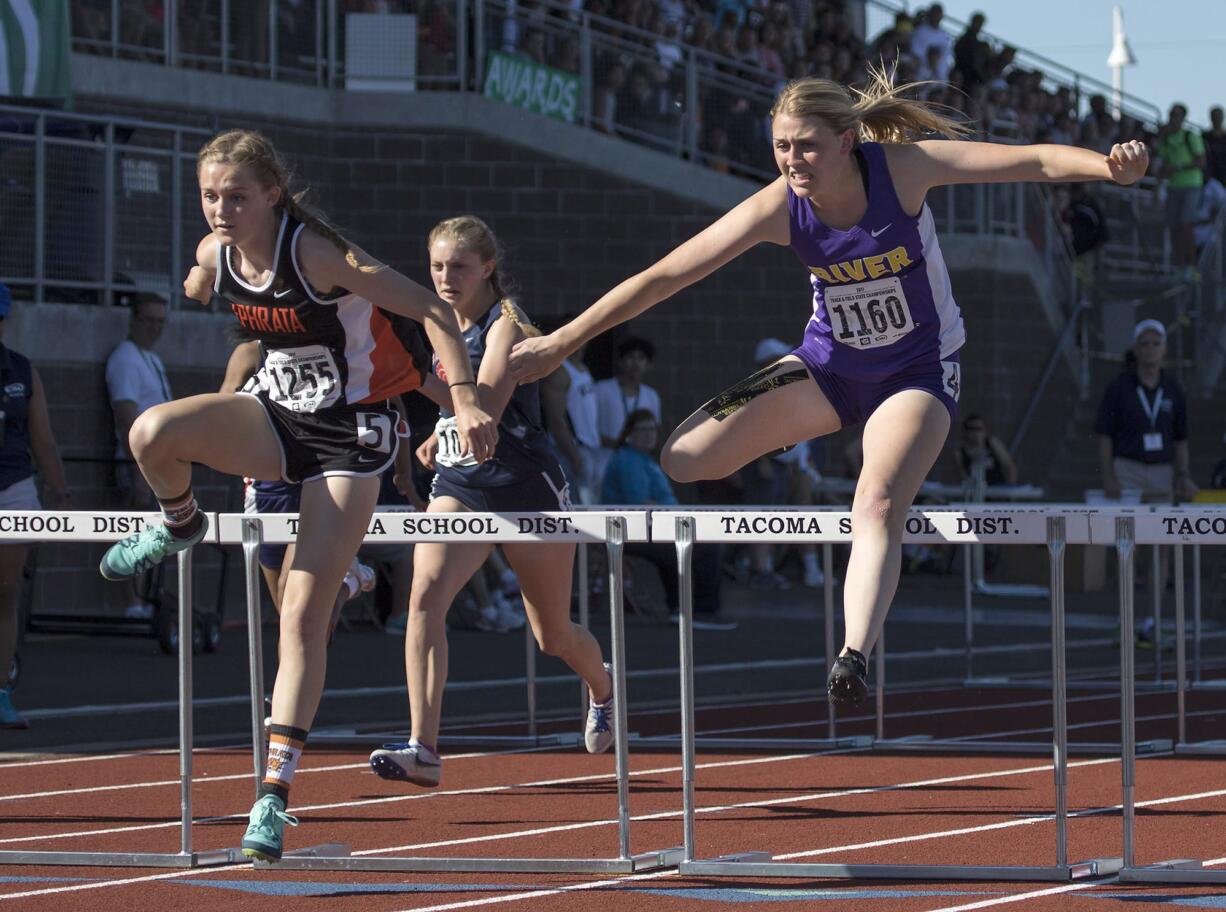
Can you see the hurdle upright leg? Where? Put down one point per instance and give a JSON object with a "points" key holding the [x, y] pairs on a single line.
{"points": [[252, 536], [685, 631]]}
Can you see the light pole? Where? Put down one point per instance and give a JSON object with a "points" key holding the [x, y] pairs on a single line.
{"points": [[1120, 57]]}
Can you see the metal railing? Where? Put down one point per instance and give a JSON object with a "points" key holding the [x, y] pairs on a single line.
{"points": [[95, 207]]}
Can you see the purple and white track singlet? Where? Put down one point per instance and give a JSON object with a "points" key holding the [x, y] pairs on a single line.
{"points": [[881, 294]]}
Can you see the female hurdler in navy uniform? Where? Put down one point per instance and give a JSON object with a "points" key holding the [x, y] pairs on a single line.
{"points": [[522, 475], [881, 347], [316, 412]]}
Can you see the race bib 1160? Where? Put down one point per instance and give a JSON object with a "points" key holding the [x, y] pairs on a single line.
{"points": [[869, 314]]}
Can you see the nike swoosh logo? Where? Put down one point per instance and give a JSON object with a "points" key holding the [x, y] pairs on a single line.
{"points": [[880, 230], [281, 294]]}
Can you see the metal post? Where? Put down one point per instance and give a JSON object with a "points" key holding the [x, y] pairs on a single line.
{"points": [[584, 616], [185, 700], [272, 39], [478, 45], [319, 42], [1181, 659], [333, 25], [225, 36], [828, 601], [114, 28], [685, 628], [968, 611], [1125, 546], [1196, 630], [1155, 586], [1059, 683], [880, 675], [530, 678], [108, 228], [170, 21], [40, 207], [176, 220], [615, 531], [252, 535], [691, 101], [586, 76], [461, 50]]}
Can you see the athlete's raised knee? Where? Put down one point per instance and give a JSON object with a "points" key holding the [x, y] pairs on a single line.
{"points": [[875, 507], [149, 432]]}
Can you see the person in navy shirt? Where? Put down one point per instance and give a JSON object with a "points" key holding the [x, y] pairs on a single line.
{"points": [[881, 345], [1142, 425]]}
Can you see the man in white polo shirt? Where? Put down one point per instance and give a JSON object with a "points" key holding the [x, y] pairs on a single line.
{"points": [[136, 380]]}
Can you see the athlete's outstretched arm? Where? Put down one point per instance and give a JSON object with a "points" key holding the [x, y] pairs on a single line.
{"points": [[762, 217], [326, 267], [917, 167]]}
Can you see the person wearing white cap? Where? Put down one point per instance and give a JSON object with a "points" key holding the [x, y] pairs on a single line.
{"points": [[1142, 425]]}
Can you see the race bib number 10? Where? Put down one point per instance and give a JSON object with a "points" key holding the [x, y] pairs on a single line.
{"points": [[450, 453], [301, 379], [870, 314]]}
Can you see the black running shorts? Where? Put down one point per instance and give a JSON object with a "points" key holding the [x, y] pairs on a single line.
{"points": [[546, 490], [341, 440]]}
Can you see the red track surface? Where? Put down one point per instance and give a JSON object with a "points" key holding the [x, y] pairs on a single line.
{"points": [[851, 806]]}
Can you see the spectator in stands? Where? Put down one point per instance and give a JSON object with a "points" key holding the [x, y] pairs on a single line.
{"points": [[769, 57], [981, 450], [568, 55], [1098, 127], [929, 34], [1083, 225], [604, 99], [1182, 154], [1142, 425], [570, 409], [533, 47], [1215, 147], [26, 441], [668, 47], [973, 55], [1212, 199], [136, 380], [625, 392]]}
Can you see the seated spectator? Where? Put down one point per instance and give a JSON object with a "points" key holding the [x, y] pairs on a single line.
{"points": [[1212, 199], [624, 393], [982, 451], [604, 99], [929, 34], [634, 478], [568, 55], [1098, 127]]}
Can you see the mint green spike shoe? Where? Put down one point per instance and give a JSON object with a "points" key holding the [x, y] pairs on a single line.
{"points": [[265, 826], [144, 550]]}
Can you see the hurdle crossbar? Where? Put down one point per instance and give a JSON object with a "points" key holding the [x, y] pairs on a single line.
{"points": [[1176, 527], [612, 528], [972, 524], [76, 526]]}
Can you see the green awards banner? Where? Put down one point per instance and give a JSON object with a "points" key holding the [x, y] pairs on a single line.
{"points": [[528, 85], [34, 49]]}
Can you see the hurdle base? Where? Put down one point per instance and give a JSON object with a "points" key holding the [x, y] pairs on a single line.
{"points": [[1091, 748], [647, 861], [124, 859], [352, 738], [1203, 748], [1043, 684], [1176, 871], [816, 744], [758, 864]]}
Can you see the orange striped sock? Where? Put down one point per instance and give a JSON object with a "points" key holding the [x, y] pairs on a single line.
{"points": [[285, 744]]}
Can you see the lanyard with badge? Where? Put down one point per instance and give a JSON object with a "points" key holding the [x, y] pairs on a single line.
{"points": [[1152, 439]]}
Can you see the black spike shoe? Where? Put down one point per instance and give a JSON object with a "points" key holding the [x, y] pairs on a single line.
{"points": [[846, 685]]}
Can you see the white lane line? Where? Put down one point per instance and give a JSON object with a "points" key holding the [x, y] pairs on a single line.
{"points": [[413, 796], [538, 894]]}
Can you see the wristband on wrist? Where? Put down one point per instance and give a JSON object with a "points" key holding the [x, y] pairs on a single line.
{"points": [[461, 383]]}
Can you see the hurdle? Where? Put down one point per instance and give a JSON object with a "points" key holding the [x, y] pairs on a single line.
{"points": [[1176, 527], [612, 528], [956, 526], [77, 526]]}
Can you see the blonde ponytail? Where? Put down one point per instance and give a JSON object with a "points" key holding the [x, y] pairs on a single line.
{"points": [[473, 234], [880, 112]]}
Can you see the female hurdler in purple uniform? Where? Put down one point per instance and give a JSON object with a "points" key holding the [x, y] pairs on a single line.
{"points": [[881, 346]]}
